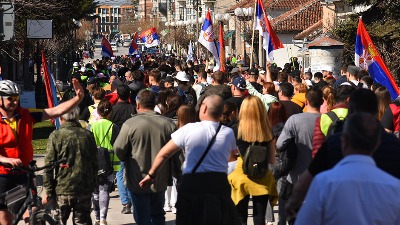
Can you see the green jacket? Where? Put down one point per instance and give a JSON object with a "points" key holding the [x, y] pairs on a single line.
{"points": [[79, 174], [266, 99]]}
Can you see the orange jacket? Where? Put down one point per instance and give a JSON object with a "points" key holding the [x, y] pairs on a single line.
{"points": [[10, 147]]}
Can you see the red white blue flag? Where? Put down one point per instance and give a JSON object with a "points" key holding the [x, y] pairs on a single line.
{"points": [[150, 37], [134, 45], [50, 85], [106, 49], [207, 39], [271, 41], [367, 57]]}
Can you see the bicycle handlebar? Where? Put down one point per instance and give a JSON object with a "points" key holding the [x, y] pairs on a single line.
{"points": [[32, 165]]}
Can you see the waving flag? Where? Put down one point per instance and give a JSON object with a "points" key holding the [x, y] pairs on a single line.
{"points": [[150, 37], [133, 46], [271, 42], [221, 48], [190, 52], [106, 49], [207, 39], [368, 58], [50, 85]]}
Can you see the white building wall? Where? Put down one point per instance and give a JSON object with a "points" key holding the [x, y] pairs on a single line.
{"points": [[326, 57]]}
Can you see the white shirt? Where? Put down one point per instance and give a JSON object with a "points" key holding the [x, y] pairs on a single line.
{"points": [[194, 138], [197, 88], [354, 192]]}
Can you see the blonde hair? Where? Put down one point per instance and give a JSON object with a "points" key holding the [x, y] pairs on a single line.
{"points": [[253, 121]]}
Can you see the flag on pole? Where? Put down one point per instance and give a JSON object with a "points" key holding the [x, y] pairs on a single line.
{"points": [[271, 41], [367, 57], [150, 37], [221, 48], [206, 38], [190, 52], [106, 49], [50, 85], [134, 45]]}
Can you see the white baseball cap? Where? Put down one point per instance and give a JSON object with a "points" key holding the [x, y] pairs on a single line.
{"points": [[182, 76]]}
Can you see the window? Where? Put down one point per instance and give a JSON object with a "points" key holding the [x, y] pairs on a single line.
{"points": [[181, 13]]}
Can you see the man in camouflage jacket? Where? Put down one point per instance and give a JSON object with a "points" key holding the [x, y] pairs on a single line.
{"points": [[73, 182]]}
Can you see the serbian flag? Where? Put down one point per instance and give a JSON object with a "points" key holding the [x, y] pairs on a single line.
{"points": [[221, 48], [133, 46], [106, 49], [150, 37], [271, 42], [367, 57], [50, 85], [207, 39]]}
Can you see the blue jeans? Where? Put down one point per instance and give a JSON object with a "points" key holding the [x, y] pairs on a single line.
{"points": [[148, 208], [123, 191]]}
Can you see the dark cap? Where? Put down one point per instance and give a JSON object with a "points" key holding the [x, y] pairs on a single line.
{"points": [[169, 79], [253, 72], [239, 82]]}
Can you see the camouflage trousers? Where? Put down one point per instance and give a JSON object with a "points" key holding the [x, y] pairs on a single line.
{"points": [[78, 205]]}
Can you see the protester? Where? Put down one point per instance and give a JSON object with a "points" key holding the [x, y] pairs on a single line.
{"points": [[72, 184], [134, 147], [200, 203], [300, 127], [383, 95], [90, 114], [16, 129], [342, 195], [105, 132], [253, 127]]}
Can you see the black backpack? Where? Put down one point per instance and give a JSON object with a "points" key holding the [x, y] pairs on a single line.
{"points": [[285, 160], [336, 125], [255, 161], [188, 98], [105, 162]]}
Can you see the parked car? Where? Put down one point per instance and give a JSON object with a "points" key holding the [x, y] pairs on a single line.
{"points": [[114, 46], [127, 42]]}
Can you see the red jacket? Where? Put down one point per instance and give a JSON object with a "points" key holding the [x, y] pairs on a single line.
{"points": [[11, 147]]}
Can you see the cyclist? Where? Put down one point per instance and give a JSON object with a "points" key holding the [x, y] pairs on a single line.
{"points": [[16, 128]]}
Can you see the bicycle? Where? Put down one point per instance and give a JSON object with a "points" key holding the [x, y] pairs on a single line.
{"points": [[24, 197]]}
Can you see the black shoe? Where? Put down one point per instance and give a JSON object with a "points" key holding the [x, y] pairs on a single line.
{"points": [[126, 209]]}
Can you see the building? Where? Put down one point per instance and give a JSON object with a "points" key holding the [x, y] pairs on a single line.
{"points": [[111, 14]]}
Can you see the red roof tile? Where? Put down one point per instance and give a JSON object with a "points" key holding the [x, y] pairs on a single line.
{"points": [[310, 32], [300, 18], [271, 4], [324, 42]]}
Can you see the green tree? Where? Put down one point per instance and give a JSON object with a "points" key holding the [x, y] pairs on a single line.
{"points": [[382, 20]]}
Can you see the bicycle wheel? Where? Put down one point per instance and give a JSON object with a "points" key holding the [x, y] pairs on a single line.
{"points": [[42, 218]]}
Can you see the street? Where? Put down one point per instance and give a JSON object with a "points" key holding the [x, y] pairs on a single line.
{"points": [[114, 212]]}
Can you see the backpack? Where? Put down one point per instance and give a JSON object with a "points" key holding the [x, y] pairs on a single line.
{"points": [[94, 115], [336, 125], [188, 98], [203, 87], [285, 160], [105, 162], [255, 161]]}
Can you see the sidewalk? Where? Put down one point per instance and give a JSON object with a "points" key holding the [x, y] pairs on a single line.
{"points": [[114, 212]]}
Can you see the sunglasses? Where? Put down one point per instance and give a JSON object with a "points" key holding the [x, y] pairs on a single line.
{"points": [[12, 98]]}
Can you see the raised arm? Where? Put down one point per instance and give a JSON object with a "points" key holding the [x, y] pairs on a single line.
{"points": [[65, 106]]}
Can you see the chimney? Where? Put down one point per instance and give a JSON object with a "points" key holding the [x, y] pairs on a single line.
{"points": [[328, 15]]}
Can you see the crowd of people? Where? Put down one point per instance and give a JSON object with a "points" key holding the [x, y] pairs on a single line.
{"points": [[177, 134]]}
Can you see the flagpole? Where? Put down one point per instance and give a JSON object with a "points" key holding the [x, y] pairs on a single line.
{"points": [[252, 37]]}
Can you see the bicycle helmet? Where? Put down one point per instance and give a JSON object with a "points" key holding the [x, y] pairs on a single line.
{"points": [[8, 88]]}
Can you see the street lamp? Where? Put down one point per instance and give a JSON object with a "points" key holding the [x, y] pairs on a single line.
{"points": [[244, 15]]}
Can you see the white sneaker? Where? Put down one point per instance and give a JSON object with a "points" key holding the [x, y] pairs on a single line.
{"points": [[167, 208], [173, 210]]}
